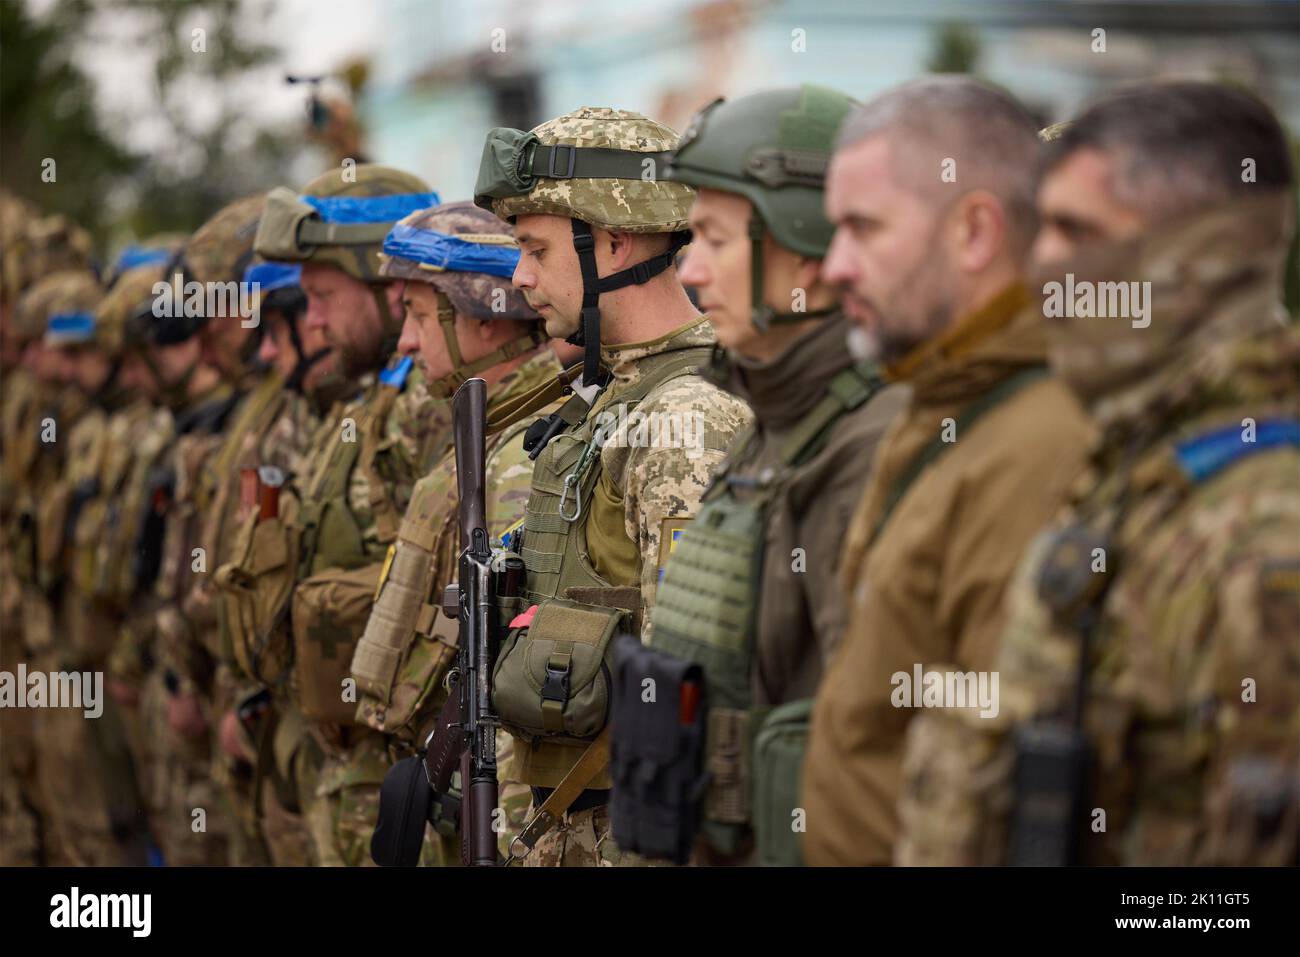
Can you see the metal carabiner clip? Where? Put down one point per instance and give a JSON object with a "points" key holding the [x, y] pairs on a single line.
{"points": [[571, 482]]}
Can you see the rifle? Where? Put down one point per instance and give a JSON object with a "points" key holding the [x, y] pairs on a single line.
{"points": [[472, 600]]}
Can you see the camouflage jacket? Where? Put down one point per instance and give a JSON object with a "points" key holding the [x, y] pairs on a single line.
{"points": [[421, 656], [1192, 710], [413, 433]]}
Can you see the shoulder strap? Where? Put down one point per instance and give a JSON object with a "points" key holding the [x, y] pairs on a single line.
{"points": [[591, 762], [848, 390], [933, 450]]}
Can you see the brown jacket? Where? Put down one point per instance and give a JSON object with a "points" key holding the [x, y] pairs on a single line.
{"points": [[929, 590]]}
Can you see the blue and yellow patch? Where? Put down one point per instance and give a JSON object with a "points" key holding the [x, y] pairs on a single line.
{"points": [[670, 532]]}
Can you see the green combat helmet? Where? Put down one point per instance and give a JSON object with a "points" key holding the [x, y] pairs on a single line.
{"points": [[773, 148], [340, 219], [598, 167], [468, 256]]}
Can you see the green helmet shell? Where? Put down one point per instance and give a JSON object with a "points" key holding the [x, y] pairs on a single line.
{"points": [[772, 148]]}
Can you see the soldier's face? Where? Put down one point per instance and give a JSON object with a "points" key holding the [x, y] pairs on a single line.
{"points": [[276, 349], [136, 376], [886, 255], [90, 368], [175, 360], [548, 272], [718, 263], [344, 311], [1077, 206], [422, 337]]}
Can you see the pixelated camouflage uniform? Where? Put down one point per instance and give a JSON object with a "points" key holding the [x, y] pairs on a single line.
{"points": [[1204, 595]]}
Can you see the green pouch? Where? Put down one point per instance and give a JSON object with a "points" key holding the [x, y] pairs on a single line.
{"points": [[500, 171], [552, 678], [778, 765]]}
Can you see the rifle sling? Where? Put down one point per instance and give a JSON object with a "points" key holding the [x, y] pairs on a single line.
{"points": [[553, 809]]}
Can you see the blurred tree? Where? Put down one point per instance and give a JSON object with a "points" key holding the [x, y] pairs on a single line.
{"points": [[47, 112], [954, 48], [213, 152]]}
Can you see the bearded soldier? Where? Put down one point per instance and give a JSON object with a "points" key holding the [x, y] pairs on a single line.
{"points": [[39, 414], [1150, 685], [772, 517], [985, 449], [463, 319], [614, 482], [301, 589]]}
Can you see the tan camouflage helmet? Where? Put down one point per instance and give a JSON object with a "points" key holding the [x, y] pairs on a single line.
{"points": [[538, 173], [468, 256], [466, 253], [221, 249], [59, 296], [123, 314], [340, 218], [32, 246], [599, 168]]}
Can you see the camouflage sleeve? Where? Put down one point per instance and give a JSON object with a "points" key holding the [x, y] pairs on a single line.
{"points": [[510, 476], [957, 766], [416, 434], [689, 427]]}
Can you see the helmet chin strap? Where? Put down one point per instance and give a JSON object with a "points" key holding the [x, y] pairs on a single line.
{"points": [[392, 327], [588, 334], [761, 314], [447, 385]]}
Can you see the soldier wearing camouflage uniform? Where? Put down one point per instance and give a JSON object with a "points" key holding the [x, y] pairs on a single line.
{"points": [[194, 824], [1168, 589], [598, 233], [34, 249], [462, 319], [356, 482], [778, 504], [88, 766], [270, 444]]}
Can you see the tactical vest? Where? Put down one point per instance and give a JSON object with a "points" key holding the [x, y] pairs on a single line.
{"points": [[551, 682], [409, 642], [707, 611], [338, 571]]}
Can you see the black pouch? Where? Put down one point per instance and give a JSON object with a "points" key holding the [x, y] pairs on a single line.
{"points": [[405, 800], [657, 742]]}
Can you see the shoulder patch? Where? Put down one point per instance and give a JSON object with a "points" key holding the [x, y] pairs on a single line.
{"points": [[670, 531]]}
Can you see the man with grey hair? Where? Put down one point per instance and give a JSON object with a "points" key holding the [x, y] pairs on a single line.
{"points": [[931, 191], [1149, 675]]}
